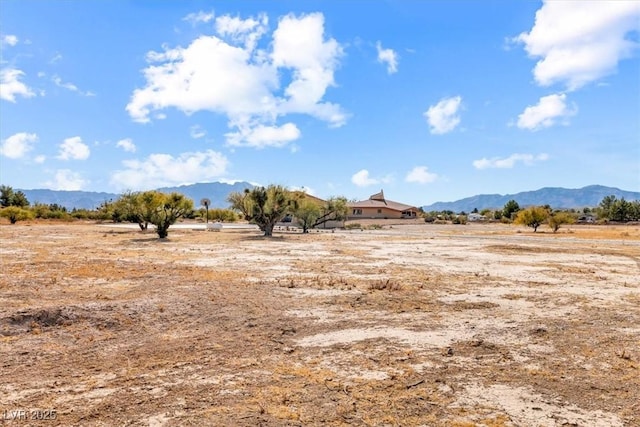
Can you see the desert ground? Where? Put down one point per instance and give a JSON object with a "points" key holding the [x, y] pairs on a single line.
{"points": [[408, 325]]}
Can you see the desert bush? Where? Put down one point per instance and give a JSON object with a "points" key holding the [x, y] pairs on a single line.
{"points": [[15, 214], [559, 218], [532, 217], [222, 215], [352, 226], [460, 219]]}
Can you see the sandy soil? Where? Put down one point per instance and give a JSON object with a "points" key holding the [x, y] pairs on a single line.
{"points": [[410, 325]]}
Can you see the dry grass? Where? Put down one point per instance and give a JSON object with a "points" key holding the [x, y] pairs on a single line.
{"points": [[113, 327]]}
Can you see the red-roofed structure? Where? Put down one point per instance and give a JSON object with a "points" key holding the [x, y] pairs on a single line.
{"points": [[379, 207]]}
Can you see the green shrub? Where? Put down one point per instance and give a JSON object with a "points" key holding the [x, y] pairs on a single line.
{"points": [[15, 214]]}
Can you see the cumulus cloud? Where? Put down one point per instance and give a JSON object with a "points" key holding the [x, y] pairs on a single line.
{"points": [[18, 145], [127, 145], [228, 74], [9, 40], [389, 57], [421, 175], [242, 31], [580, 42], [362, 178], [67, 180], [10, 85], [549, 109], [260, 136], [39, 159], [159, 170], [443, 117], [199, 17], [73, 149], [509, 162]]}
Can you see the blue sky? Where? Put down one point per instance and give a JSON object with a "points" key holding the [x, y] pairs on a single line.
{"points": [[429, 100]]}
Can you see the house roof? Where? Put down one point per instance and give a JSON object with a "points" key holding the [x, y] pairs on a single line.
{"points": [[378, 201], [314, 199]]}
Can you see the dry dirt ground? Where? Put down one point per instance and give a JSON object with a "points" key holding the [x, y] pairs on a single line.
{"points": [[432, 325]]}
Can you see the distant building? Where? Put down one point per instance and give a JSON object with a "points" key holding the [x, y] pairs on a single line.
{"points": [[377, 206], [476, 217]]}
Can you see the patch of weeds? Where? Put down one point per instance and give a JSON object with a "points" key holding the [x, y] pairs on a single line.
{"points": [[380, 285], [353, 226]]}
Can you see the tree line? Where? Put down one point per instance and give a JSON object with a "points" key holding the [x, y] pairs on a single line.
{"points": [[263, 206], [266, 206], [610, 209]]}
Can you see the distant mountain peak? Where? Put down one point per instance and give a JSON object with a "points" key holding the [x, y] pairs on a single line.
{"points": [[556, 197], [217, 192]]}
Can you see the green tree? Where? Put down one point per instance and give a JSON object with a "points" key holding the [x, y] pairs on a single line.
{"points": [[558, 219], [634, 210], [6, 196], [532, 217], [510, 208], [334, 209], [307, 213], [263, 206], [620, 210], [137, 207], [604, 208], [20, 200], [171, 208], [241, 202], [15, 214]]}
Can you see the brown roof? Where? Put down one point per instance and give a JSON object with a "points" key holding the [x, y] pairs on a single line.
{"points": [[390, 204], [378, 201]]}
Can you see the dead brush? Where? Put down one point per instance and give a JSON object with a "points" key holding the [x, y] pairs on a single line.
{"points": [[388, 284]]}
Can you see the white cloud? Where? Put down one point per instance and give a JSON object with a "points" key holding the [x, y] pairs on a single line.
{"points": [[579, 42], [127, 145], [39, 159], [509, 162], [159, 170], [199, 17], [227, 74], [389, 57], [242, 31], [421, 175], [56, 58], [196, 132], [69, 86], [549, 109], [10, 85], [18, 145], [9, 39], [260, 136], [362, 179], [67, 180], [299, 44], [443, 117], [73, 149]]}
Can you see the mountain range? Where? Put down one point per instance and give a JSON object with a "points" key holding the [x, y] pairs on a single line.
{"points": [[556, 197], [216, 192]]}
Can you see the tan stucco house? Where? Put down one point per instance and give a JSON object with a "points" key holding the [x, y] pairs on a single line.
{"points": [[379, 207]]}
